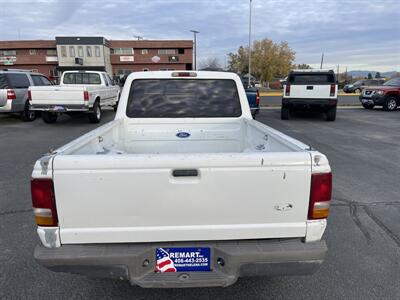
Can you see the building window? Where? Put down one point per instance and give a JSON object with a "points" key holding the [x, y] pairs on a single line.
{"points": [[8, 52], [145, 69], [80, 51], [166, 51], [97, 51], [33, 52], [51, 52], [34, 71], [122, 51], [181, 51], [145, 51], [63, 51], [72, 51], [88, 51]]}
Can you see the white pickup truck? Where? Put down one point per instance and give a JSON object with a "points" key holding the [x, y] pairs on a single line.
{"points": [[182, 189], [79, 91]]}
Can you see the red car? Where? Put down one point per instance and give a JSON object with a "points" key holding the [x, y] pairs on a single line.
{"points": [[386, 95]]}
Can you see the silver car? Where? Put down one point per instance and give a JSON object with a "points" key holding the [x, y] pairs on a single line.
{"points": [[14, 86]]}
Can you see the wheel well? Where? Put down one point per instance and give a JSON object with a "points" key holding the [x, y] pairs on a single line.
{"points": [[97, 99]]}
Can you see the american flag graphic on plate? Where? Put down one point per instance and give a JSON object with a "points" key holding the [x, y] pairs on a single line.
{"points": [[164, 262]]}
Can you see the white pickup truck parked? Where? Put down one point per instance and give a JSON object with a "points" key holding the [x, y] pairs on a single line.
{"points": [[182, 189], [79, 91]]}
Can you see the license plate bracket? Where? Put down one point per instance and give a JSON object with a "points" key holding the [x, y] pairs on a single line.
{"points": [[191, 259]]}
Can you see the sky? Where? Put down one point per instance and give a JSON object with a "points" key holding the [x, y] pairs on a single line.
{"points": [[354, 34]]}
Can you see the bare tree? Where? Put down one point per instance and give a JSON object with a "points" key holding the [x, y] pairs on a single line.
{"points": [[211, 64]]}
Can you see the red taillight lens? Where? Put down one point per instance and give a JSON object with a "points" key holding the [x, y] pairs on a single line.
{"points": [[11, 94], [43, 202], [29, 95], [320, 195], [333, 90], [258, 98], [86, 96], [287, 90]]}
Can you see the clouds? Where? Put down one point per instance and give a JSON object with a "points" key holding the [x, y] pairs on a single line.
{"points": [[356, 34]]}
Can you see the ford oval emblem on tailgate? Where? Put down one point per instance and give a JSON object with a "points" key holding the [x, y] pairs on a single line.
{"points": [[183, 134]]}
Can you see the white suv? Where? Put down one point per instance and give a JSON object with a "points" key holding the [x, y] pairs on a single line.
{"points": [[310, 90]]}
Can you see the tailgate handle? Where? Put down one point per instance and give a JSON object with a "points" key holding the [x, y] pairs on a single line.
{"points": [[185, 173], [310, 87]]}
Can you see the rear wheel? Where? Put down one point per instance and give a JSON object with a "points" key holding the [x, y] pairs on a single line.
{"points": [[49, 117], [331, 114], [368, 105], [28, 115], [390, 104], [357, 91], [285, 113], [95, 116]]}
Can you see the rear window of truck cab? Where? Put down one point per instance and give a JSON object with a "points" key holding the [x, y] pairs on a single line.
{"points": [[81, 78], [183, 98], [311, 78]]}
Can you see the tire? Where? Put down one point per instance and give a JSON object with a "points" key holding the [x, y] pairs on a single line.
{"points": [[357, 91], [95, 116], [285, 113], [49, 117], [331, 114], [390, 104], [368, 106], [28, 115]]}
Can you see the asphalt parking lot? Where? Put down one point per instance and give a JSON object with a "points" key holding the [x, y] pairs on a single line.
{"points": [[363, 234]]}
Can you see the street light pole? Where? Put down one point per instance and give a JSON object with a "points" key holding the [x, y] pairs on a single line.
{"points": [[249, 45], [195, 32]]}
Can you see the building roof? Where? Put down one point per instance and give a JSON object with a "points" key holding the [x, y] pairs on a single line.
{"points": [[31, 44], [152, 43]]}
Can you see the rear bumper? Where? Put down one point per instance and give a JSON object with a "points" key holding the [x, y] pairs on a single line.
{"points": [[306, 102], [241, 258], [60, 108]]}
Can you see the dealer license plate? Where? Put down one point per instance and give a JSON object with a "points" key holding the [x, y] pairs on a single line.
{"points": [[182, 260]]}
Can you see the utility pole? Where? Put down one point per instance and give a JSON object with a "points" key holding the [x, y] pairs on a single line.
{"points": [[337, 79], [138, 37], [249, 46], [322, 60], [195, 32]]}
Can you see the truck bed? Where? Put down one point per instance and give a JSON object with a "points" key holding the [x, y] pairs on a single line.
{"points": [[239, 136]]}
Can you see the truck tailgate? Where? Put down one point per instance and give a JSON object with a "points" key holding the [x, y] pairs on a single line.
{"points": [[136, 198], [58, 95], [310, 91]]}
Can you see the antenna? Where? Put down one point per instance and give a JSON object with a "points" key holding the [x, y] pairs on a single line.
{"points": [[138, 37]]}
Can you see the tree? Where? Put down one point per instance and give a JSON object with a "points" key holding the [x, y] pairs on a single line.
{"points": [[378, 75], [211, 64], [269, 59], [369, 76], [302, 67]]}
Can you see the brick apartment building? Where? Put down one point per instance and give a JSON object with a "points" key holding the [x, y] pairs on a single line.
{"points": [[51, 57]]}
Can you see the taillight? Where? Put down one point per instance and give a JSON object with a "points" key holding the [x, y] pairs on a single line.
{"points": [[85, 96], [333, 90], [257, 98], [11, 94], [43, 202], [29, 95], [320, 195], [287, 90]]}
